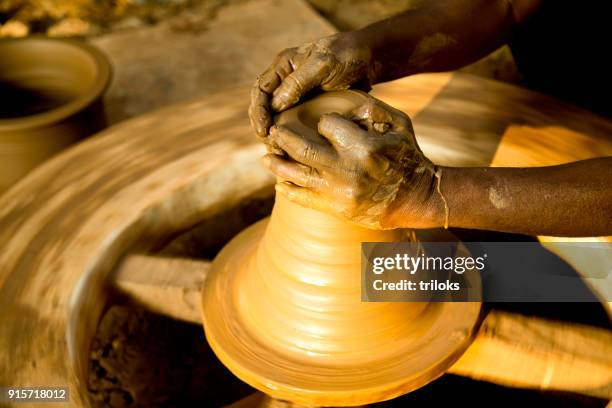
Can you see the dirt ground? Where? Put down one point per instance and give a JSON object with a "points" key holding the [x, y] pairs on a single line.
{"points": [[89, 17], [140, 359], [64, 18]]}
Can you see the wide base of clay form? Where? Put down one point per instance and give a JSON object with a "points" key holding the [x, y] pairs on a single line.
{"points": [[282, 310]]}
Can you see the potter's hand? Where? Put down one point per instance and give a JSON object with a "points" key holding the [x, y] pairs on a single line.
{"points": [[366, 168], [331, 63]]}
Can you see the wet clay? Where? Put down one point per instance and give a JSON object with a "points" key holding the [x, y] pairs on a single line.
{"points": [[282, 306]]}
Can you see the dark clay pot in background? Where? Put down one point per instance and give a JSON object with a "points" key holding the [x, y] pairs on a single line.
{"points": [[50, 97]]}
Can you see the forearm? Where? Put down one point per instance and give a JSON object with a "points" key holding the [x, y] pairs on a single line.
{"points": [[441, 35], [567, 200]]}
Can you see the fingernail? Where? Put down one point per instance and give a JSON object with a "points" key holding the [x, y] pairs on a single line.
{"points": [[323, 119], [282, 102], [278, 106], [273, 149]]}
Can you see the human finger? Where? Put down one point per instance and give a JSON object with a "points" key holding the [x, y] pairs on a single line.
{"points": [[294, 172], [259, 115], [279, 70], [301, 149], [303, 196], [380, 117], [340, 132], [304, 78]]}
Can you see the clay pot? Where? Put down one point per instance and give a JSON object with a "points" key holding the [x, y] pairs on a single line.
{"points": [[50, 97]]}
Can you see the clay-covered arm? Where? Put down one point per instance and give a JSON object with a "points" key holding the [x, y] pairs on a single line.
{"points": [[573, 199], [437, 35], [441, 35], [368, 168]]}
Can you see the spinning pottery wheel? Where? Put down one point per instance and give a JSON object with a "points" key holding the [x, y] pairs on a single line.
{"points": [[282, 304], [124, 212]]}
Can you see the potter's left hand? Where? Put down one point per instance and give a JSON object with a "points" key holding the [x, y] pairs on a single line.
{"points": [[366, 167]]}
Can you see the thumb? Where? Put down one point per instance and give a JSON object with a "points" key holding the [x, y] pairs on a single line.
{"points": [[297, 84]]}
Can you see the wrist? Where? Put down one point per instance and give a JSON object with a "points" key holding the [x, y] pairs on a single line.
{"points": [[419, 202], [366, 44], [391, 48]]}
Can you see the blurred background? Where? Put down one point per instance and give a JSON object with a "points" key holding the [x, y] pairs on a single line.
{"points": [[164, 51]]}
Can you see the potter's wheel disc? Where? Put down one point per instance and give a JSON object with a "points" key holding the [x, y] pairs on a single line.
{"points": [[441, 336]]}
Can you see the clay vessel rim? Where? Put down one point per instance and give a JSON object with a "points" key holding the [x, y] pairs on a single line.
{"points": [[100, 84]]}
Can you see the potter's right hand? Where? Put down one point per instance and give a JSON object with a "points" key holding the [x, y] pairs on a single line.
{"points": [[366, 167], [331, 63]]}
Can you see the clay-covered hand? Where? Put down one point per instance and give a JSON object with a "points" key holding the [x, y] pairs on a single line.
{"points": [[331, 63], [366, 167]]}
